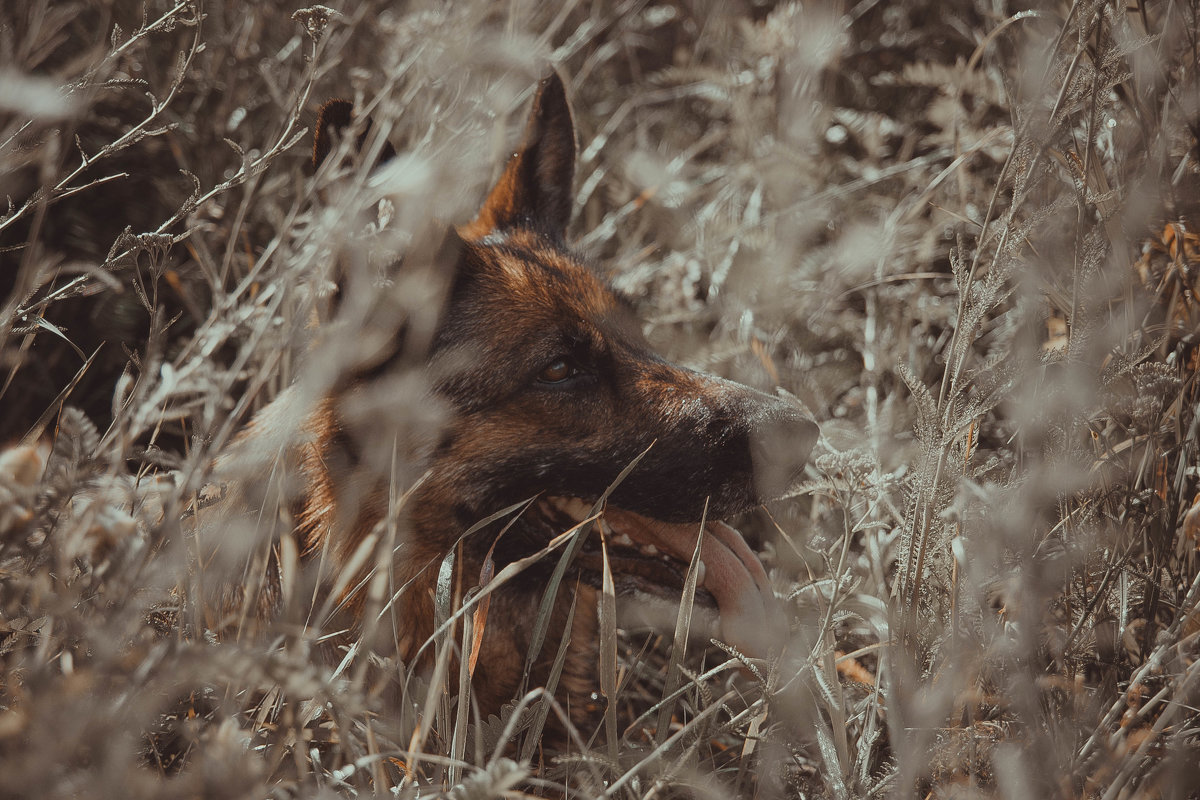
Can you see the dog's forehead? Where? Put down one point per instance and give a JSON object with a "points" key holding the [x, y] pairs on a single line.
{"points": [[531, 275]]}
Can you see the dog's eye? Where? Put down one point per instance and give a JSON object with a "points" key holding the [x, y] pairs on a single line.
{"points": [[557, 371]]}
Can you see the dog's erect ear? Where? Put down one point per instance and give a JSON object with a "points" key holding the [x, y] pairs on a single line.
{"points": [[333, 120], [535, 190]]}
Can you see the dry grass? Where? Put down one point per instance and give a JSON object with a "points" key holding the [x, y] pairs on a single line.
{"points": [[964, 235]]}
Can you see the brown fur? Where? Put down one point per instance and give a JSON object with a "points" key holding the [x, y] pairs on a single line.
{"points": [[523, 311]]}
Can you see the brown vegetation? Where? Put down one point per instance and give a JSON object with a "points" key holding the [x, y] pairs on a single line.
{"points": [[964, 235]]}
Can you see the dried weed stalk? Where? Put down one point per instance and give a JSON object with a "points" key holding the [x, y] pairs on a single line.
{"points": [[964, 235]]}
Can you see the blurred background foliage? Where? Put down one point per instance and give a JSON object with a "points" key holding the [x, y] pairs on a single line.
{"points": [[964, 235]]}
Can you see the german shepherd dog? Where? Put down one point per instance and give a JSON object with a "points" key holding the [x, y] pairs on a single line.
{"points": [[552, 393]]}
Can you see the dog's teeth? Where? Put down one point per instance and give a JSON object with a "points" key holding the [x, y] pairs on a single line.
{"points": [[623, 540], [700, 570], [573, 507], [649, 550]]}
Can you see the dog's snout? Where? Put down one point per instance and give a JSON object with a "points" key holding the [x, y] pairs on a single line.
{"points": [[727, 442], [780, 442]]}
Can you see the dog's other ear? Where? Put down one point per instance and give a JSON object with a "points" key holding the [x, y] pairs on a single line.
{"points": [[333, 120], [535, 189]]}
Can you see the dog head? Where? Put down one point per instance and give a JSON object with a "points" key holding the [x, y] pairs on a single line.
{"points": [[554, 392]]}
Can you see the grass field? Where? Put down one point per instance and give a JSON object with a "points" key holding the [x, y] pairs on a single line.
{"points": [[966, 236]]}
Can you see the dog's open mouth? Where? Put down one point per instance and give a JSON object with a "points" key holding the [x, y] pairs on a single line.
{"points": [[649, 559]]}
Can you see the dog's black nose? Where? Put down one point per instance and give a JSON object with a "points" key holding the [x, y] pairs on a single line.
{"points": [[765, 440], [781, 439]]}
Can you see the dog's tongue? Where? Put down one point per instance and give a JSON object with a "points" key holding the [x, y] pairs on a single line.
{"points": [[732, 573]]}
